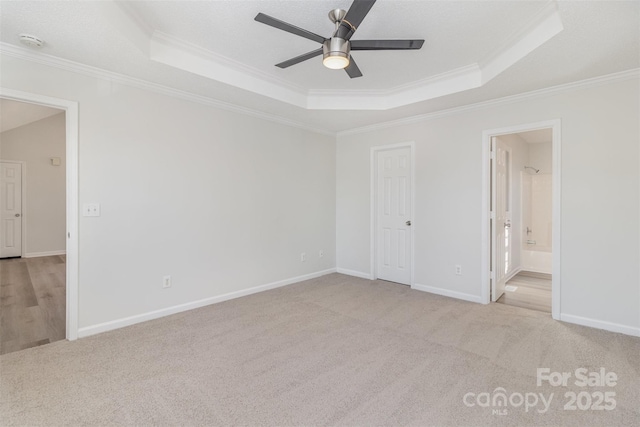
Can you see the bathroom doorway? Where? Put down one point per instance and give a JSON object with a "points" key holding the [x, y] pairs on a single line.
{"points": [[523, 189]]}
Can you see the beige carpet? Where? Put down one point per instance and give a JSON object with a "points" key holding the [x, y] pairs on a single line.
{"points": [[331, 351]]}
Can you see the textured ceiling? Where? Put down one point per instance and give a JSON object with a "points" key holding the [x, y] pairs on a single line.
{"points": [[474, 28], [599, 38]]}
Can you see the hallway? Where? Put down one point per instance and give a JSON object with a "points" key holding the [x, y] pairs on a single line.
{"points": [[32, 302]]}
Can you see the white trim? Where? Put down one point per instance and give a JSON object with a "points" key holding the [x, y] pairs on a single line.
{"points": [[182, 55], [71, 110], [76, 67], [354, 273], [132, 320], [174, 52], [535, 270], [52, 61], [540, 28], [556, 221], [372, 200], [555, 125], [600, 324], [23, 185], [447, 293], [41, 254], [540, 93], [513, 274]]}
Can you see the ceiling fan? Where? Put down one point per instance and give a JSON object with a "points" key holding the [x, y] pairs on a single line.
{"points": [[336, 50]]}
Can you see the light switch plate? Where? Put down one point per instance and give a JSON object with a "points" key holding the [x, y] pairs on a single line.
{"points": [[91, 209]]}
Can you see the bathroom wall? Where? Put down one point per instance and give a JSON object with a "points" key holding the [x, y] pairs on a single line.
{"points": [[537, 210], [541, 211], [537, 199], [540, 157]]}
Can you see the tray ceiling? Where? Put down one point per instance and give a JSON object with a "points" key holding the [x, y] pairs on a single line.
{"points": [[473, 51]]}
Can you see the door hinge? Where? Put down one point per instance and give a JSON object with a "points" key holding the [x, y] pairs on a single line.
{"points": [[493, 155], [492, 276], [492, 215]]}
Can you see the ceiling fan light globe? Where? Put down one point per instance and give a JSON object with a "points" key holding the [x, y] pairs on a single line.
{"points": [[336, 62]]}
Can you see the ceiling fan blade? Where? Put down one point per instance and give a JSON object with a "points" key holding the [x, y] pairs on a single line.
{"points": [[358, 10], [298, 59], [281, 25], [386, 44], [352, 69]]}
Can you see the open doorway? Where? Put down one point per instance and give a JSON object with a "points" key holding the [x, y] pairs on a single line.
{"points": [[38, 153], [522, 216], [522, 229]]}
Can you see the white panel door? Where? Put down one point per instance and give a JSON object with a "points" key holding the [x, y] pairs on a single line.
{"points": [[501, 239], [393, 215], [10, 209]]}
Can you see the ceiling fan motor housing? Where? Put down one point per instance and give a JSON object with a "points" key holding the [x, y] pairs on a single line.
{"points": [[335, 47], [336, 50]]}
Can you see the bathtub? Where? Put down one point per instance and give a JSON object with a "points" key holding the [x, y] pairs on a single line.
{"points": [[536, 259]]}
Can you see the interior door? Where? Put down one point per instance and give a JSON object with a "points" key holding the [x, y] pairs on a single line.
{"points": [[501, 221], [10, 209], [393, 220]]}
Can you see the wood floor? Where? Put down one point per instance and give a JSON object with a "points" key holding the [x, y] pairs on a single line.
{"points": [[32, 302], [534, 291]]}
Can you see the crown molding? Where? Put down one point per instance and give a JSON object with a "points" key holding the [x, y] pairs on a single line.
{"points": [[189, 57], [542, 27], [171, 51], [87, 70], [541, 93]]}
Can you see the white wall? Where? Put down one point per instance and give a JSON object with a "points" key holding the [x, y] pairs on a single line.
{"points": [[220, 201], [45, 216], [600, 198], [540, 157]]}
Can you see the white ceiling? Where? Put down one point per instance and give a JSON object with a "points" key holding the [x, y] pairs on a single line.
{"points": [[596, 38], [14, 114], [539, 136]]}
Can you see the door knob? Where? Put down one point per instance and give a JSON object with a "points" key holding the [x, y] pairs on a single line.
{"points": [[17, 215], [408, 222]]}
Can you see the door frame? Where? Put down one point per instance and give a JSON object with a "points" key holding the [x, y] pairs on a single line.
{"points": [[23, 207], [72, 178], [555, 126], [373, 273]]}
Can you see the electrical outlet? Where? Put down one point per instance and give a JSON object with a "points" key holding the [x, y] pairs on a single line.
{"points": [[91, 209], [166, 282], [458, 270], [321, 253], [303, 257]]}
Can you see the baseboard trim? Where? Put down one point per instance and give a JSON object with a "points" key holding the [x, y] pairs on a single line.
{"points": [[132, 320], [39, 254], [601, 324], [536, 270], [354, 273], [447, 293], [513, 274]]}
